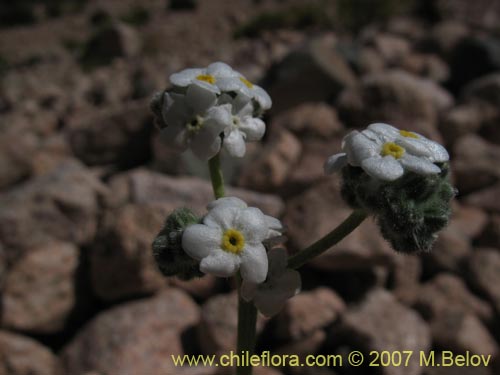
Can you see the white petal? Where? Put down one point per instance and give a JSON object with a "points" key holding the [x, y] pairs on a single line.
{"points": [[388, 132], [204, 145], [414, 146], [252, 223], [262, 97], [232, 201], [438, 152], [273, 223], [235, 144], [254, 128], [335, 163], [248, 290], [185, 77], [220, 69], [221, 216], [254, 263], [199, 240], [383, 168], [219, 118], [221, 264], [229, 84], [200, 99], [359, 147], [206, 86], [419, 165], [242, 106]]}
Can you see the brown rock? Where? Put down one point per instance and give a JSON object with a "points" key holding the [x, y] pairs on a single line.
{"points": [[309, 119], [314, 72], [405, 277], [370, 61], [398, 98], [200, 288], [15, 156], [447, 291], [486, 199], [122, 263], [491, 234], [459, 331], [142, 186], [381, 323], [484, 274], [21, 355], [392, 48], [446, 35], [118, 135], [470, 221], [302, 347], [133, 338], [460, 121], [307, 313], [273, 165], [316, 212], [39, 289], [61, 205], [475, 163], [218, 329]]}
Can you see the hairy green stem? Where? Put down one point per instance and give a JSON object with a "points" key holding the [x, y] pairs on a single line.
{"points": [[216, 176], [323, 244]]}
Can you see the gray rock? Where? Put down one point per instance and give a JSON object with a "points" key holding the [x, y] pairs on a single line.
{"points": [[134, 338], [15, 156], [39, 290], [484, 274]]}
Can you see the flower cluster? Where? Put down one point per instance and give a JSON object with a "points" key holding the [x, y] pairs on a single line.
{"points": [[209, 109], [385, 153]]}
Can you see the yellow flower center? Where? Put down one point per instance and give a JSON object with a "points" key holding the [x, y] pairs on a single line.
{"points": [[246, 82], [233, 241], [392, 149], [406, 133], [206, 78]]}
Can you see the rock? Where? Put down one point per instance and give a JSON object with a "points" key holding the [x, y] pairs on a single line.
{"points": [[369, 61], [273, 165], [309, 120], [121, 259], [310, 216], [459, 331], [61, 205], [217, 331], [109, 42], [117, 135], [39, 291], [142, 186], [486, 199], [473, 57], [447, 34], [427, 66], [199, 288], [475, 163], [16, 153], [134, 338], [314, 72], [468, 220], [484, 89], [392, 48], [309, 168], [447, 291], [303, 347], [381, 323], [460, 121], [491, 233], [405, 277], [484, 274], [21, 355], [396, 97], [308, 312]]}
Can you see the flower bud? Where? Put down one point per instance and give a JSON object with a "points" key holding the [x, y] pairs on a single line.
{"points": [[171, 258]]}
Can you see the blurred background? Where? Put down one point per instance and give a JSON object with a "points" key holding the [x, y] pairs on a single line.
{"points": [[85, 183]]}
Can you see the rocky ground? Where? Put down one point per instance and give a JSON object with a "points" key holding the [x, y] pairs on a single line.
{"points": [[85, 183]]}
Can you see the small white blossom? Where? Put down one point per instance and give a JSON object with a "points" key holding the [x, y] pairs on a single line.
{"points": [[244, 126], [193, 121], [209, 78], [230, 238], [247, 89], [385, 152], [281, 284]]}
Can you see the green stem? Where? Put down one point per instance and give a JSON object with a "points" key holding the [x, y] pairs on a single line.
{"points": [[323, 244], [247, 333], [216, 176]]}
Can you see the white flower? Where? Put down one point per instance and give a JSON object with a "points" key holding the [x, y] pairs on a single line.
{"points": [[385, 152], [244, 126], [244, 87], [207, 78], [194, 121], [281, 284], [230, 238]]}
